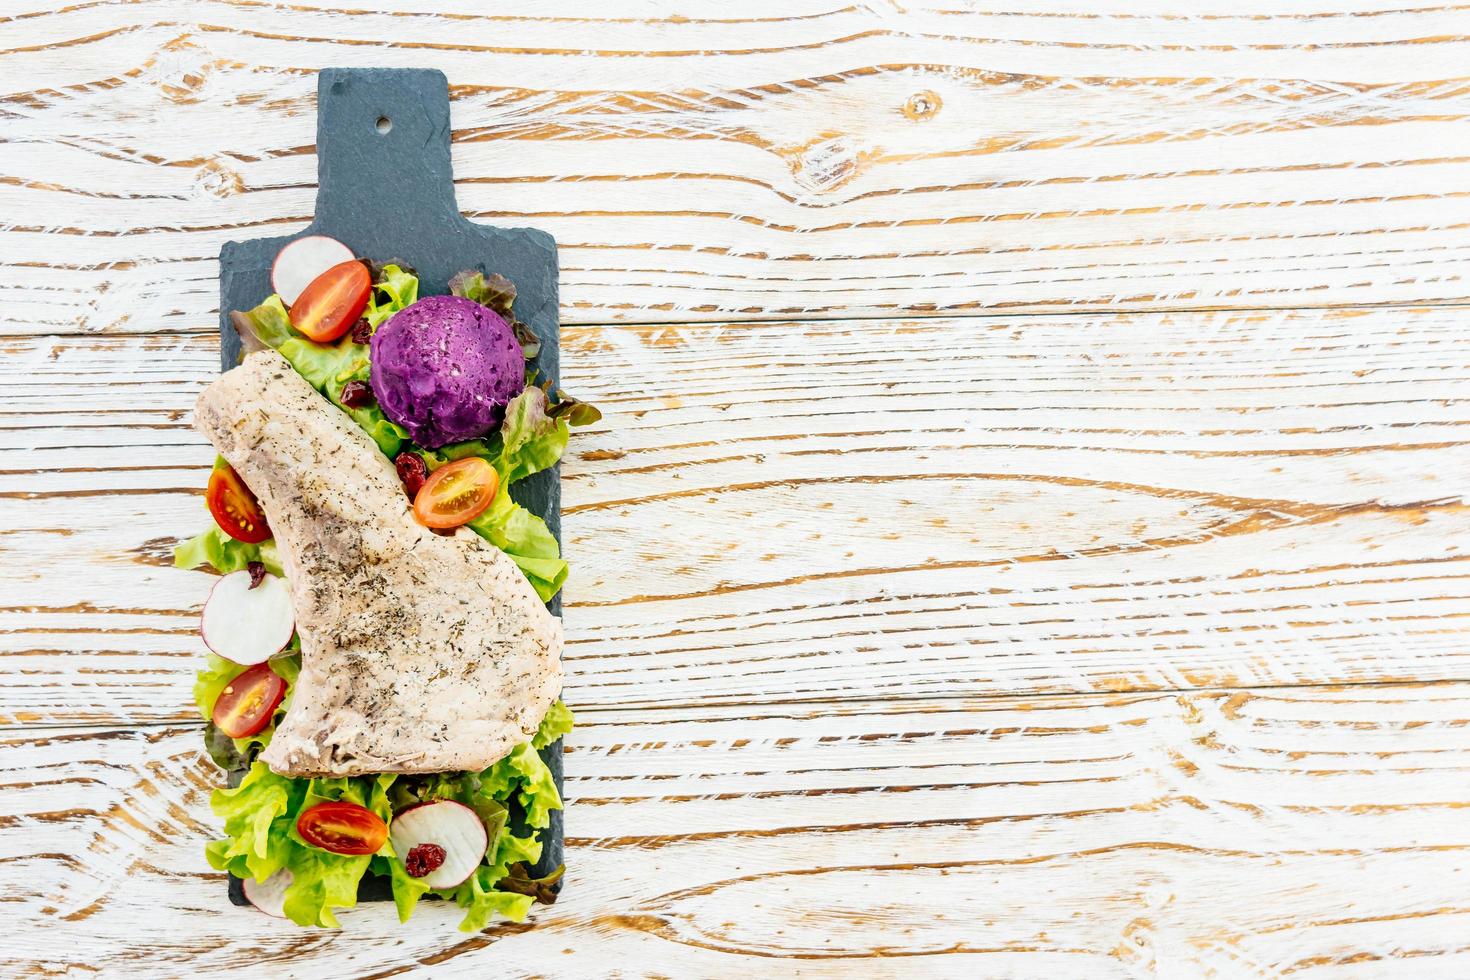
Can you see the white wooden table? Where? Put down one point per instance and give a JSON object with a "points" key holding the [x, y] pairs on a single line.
{"points": [[1028, 535]]}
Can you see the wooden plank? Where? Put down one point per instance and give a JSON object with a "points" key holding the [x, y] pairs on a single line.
{"points": [[848, 509], [1261, 833], [794, 158]]}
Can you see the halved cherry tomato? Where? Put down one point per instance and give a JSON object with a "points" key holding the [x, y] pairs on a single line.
{"points": [[234, 507], [247, 704], [342, 828], [329, 306], [456, 494]]}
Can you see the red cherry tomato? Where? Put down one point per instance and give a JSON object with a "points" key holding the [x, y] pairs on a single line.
{"points": [[342, 828], [456, 494], [234, 507], [329, 306], [249, 702]]}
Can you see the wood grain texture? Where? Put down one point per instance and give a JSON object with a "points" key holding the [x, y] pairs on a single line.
{"points": [[848, 509], [793, 158], [1309, 832], [842, 552]]}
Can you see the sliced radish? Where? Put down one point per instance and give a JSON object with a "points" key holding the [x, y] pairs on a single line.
{"points": [[302, 261], [248, 626], [270, 895], [454, 827]]}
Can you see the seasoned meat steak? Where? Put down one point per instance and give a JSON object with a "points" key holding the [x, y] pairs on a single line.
{"points": [[419, 652]]}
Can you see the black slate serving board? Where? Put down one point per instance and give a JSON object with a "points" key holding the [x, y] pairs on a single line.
{"points": [[385, 189]]}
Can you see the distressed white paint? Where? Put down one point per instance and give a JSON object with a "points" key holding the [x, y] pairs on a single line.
{"points": [[887, 515], [1229, 833], [850, 509], [784, 159]]}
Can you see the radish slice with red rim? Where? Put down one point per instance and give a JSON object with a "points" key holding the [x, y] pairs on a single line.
{"points": [[444, 824], [244, 625], [301, 261], [270, 895]]}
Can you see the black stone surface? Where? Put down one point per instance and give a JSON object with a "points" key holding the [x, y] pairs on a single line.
{"points": [[385, 189]]}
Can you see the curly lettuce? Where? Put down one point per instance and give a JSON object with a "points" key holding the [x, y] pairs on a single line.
{"points": [[557, 724], [260, 826], [523, 776], [224, 554], [268, 325], [393, 288], [260, 834], [530, 439], [254, 846], [260, 813]]}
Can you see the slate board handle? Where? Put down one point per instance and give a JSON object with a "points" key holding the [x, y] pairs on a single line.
{"points": [[379, 130]]}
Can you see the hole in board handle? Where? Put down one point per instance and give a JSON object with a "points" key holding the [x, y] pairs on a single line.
{"points": [[384, 124]]}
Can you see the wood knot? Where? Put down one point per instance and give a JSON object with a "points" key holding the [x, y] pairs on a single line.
{"points": [[214, 179], [180, 70], [827, 164], [922, 105], [1135, 942]]}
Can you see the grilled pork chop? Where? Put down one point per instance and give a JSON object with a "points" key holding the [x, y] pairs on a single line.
{"points": [[419, 652]]}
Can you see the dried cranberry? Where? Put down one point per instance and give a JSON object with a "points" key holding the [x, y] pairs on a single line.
{"points": [[423, 858], [362, 331], [357, 394], [412, 471], [257, 572]]}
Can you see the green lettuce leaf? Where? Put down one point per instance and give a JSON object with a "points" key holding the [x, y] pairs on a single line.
{"points": [[406, 890], [393, 289], [325, 881], [485, 448], [260, 825], [268, 325], [482, 902], [211, 680], [523, 772], [528, 444], [257, 816], [224, 554], [222, 750], [541, 889], [496, 293], [531, 440], [527, 540], [574, 410], [511, 849], [557, 723], [321, 364], [322, 882], [495, 816]]}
